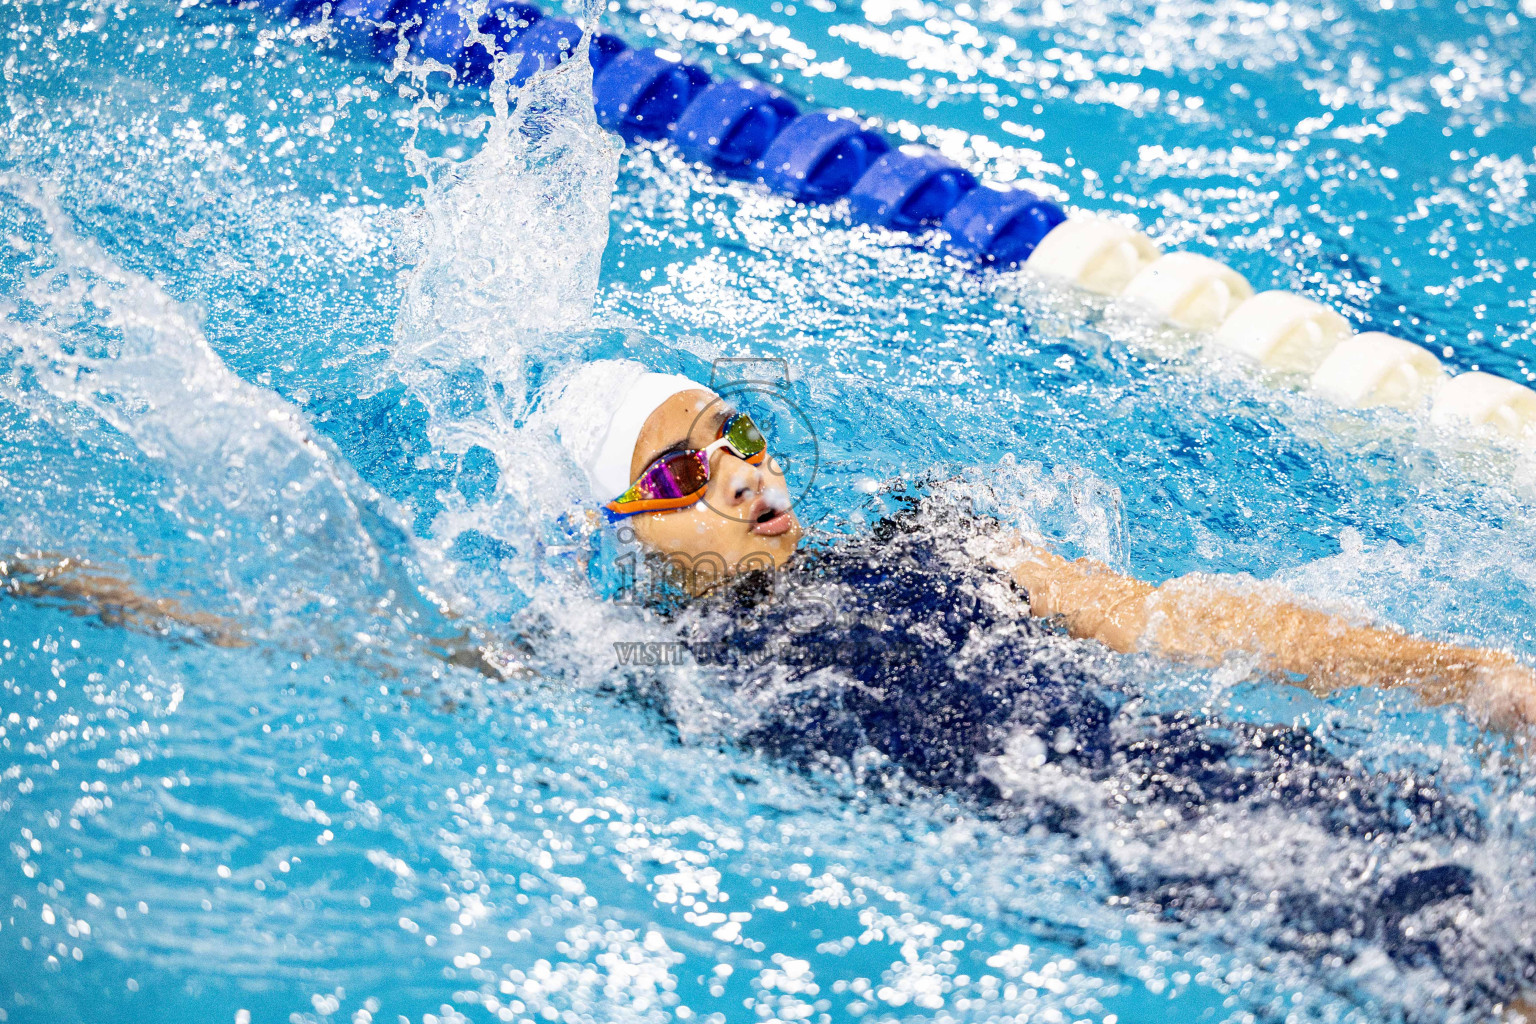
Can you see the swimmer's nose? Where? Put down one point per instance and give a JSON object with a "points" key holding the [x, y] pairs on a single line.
{"points": [[736, 483]]}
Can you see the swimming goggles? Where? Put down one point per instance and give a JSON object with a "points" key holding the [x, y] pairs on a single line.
{"points": [[679, 479]]}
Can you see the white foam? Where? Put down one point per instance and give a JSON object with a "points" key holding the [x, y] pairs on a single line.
{"points": [[507, 243]]}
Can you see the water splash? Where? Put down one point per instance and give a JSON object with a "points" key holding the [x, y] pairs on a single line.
{"points": [[505, 246], [504, 251], [90, 343]]}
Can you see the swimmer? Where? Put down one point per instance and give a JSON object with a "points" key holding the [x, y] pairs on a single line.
{"points": [[942, 650], [696, 483]]}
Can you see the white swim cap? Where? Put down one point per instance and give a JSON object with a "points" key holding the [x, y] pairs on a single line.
{"points": [[598, 412]]}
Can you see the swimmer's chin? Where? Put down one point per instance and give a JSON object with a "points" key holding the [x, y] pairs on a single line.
{"points": [[775, 541], [720, 548]]}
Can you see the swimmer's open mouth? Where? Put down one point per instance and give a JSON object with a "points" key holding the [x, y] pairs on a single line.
{"points": [[772, 522]]}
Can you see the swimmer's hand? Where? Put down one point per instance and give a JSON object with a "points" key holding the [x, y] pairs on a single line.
{"points": [[496, 660], [1505, 696], [1205, 619]]}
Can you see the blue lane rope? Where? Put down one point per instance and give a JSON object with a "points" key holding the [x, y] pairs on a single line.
{"points": [[750, 131], [741, 129]]}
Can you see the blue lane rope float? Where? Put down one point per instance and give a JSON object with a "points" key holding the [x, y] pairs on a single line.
{"points": [[730, 124], [739, 128], [907, 191], [747, 130], [819, 157], [1005, 225], [641, 94]]}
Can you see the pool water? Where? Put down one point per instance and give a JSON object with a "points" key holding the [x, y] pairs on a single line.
{"points": [[271, 321]]}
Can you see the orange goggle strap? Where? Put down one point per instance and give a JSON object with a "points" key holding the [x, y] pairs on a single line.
{"points": [[619, 509]]}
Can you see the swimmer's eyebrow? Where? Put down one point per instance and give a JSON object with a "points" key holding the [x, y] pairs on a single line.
{"points": [[675, 446], [716, 420]]}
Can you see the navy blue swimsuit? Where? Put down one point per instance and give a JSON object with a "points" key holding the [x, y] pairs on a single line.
{"points": [[901, 646]]}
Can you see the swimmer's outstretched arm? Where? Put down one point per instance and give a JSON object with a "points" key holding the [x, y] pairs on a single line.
{"points": [[87, 590], [1201, 619], [83, 588]]}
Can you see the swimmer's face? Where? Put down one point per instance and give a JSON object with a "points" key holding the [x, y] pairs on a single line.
{"points": [[744, 522]]}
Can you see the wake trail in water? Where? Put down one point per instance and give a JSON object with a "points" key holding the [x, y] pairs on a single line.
{"points": [[270, 523], [503, 254]]}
